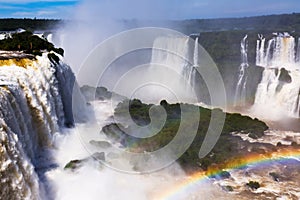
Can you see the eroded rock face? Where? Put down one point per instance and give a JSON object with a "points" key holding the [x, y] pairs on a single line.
{"points": [[284, 76], [99, 93], [33, 106]]}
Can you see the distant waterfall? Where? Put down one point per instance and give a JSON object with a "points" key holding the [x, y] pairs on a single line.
{"points": [[280, 85], [189, 70], [180, 55], [298, 52], [280, 52], [196, 52], [240, 92], [35, 102]]}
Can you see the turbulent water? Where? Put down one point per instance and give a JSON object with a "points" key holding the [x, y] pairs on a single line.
{"points": [[35, 102], [95, 181], [37, 106], [280, 84], [277, 94]]}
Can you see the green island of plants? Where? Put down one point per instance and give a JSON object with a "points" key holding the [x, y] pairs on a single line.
{"points": [[225, 149]]}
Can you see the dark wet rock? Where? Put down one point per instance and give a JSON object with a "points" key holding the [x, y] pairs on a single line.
{"points": [[225, 174], [221, 175], [253, 185], [284, 76], [275, 176], [73, 164], [295, 144], [279, 144], [227, 188], [76, 164], [98, 93], [253, 135]]}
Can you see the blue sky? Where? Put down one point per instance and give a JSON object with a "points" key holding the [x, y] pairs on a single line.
{"points": [[35, 8], [163, 9]]}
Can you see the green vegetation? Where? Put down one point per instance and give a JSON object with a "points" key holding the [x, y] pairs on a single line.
{"points": [[225, 148], [73, 164], [221, 38], [283, 22], [28, 24], [29, 43]]}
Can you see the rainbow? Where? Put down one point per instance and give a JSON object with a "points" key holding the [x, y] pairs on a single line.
{"points": [[193, 180]]}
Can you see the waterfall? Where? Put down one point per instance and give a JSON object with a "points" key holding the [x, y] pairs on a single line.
{"points": [[280, 84], [179, 55], [35, 102], [298, 52], [260, 49], [240, 92], [192, 71], [279, 53], [168, 51], [196, 52]]}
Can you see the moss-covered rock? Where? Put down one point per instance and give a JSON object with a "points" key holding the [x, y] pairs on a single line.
{"points": [[73, 164], [29, 43], [76, 164], [225, 148]]}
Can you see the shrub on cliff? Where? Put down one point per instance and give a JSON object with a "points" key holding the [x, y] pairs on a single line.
{"points": [[29, 43]]}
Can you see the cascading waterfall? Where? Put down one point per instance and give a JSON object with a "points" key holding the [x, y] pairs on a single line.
{"points": [[260, 49], [168, 51], [298, 52], [35, 101], [280, 84], [176, 53], [240, 92], [192, 71], [189, 70]]}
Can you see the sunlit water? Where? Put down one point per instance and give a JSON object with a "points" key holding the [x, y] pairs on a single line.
{"points": [[96, 181]]}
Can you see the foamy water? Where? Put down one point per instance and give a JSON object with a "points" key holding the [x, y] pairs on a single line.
{"points": [[95, 181]]}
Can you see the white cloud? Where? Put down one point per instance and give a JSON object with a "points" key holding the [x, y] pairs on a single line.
{"points": [[26, 14], [57, 13], [45, 12]]}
